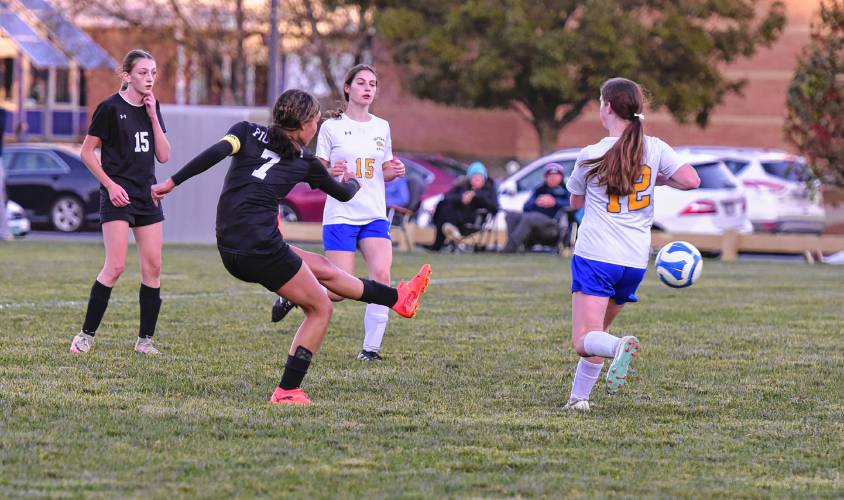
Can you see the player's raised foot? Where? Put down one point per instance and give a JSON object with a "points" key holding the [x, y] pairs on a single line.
{"points": [[575, 404], [619, 369], [411, 292], [144, 346], [369, 356], [281, 307], [81, 343], [289, 397]]}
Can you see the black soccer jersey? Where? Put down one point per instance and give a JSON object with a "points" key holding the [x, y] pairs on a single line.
{"points": [[128, 150], [256, 181]]}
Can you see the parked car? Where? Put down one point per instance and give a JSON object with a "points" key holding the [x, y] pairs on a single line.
{"points": [[304, 204], [781, 194], [718, 205], [16, 217], [52, 184]]}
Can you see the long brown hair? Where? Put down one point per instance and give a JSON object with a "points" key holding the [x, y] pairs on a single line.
{"points": [[129, 63], [621, 166], [291, 111], [350, 77]]}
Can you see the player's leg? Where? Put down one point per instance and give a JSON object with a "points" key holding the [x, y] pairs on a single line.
{"points": [[340, 244], [628, 347], [404, 299], [377, 251], [304, 289], [591, 289], [116, 242], [149, 240]]}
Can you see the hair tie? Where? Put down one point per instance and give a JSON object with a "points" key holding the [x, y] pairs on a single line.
{"points": [[640, 116]]}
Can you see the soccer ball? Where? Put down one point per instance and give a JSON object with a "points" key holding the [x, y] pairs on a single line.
{"points": [[678, 264]]}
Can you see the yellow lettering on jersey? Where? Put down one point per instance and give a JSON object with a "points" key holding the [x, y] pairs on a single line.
{"points": [[633, 201], [234, 141], [368, 169]]}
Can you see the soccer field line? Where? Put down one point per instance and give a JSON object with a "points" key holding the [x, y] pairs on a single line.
{"points": [[230, 293]]}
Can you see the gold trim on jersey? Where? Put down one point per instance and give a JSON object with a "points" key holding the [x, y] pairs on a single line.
{"points": [[234, 141]]}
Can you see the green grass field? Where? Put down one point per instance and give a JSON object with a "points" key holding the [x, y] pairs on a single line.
{"points": [[739, 391]]}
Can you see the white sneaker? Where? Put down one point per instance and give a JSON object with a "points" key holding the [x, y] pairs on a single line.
{"points": [[451, 232], [575, 404], [81, 343], [144, 346]]}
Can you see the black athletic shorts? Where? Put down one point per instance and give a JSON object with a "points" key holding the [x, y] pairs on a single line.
{"points": [[271, 271], [137, 213]]}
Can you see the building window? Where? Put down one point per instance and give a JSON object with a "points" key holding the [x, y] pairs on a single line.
{"points": [[63, 85], [7, 78], [37, 85]]}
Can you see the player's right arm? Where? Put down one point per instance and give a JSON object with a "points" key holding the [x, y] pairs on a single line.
{"points": [[228, 145], [684, 178], [320, 178], [102, 127]]}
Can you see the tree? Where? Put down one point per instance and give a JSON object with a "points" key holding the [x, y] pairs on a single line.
{"points": [[815, 120], [547, 59]]}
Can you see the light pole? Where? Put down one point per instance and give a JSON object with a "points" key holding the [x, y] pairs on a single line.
{"points": [[272, 76]]}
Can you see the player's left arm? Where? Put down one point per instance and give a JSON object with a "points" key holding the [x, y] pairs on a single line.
{"points": [[162, 145], [393, 167], [318, 177]]}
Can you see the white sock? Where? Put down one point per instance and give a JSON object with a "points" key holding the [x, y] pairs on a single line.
{"points": [[374, 323], [585, 376], [600, 344]]}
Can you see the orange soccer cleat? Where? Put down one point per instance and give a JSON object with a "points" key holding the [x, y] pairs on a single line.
{"points": [[289, 397], [410, 292]]}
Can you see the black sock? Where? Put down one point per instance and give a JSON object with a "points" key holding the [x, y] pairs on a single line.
{"points": [[150, 300], [97, 304], [378, 293], [296, 368]]}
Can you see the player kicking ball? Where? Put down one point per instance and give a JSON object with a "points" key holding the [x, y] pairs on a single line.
{"points": [[268, 161]]}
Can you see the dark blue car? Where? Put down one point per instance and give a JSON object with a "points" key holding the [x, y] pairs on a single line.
{"points": [[52, 184]]}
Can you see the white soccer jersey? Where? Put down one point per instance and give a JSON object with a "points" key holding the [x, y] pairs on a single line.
{"points": [[617, 229], [365, 146]]}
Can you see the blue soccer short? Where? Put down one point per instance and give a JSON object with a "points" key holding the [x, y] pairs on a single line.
{"points": [[345, 237], [605, 280]]}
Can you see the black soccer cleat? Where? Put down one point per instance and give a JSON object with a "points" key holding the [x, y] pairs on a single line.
{"points": [[369, 356], [281, 307]]}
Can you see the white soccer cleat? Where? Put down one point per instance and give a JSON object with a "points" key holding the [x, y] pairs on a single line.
{"points": [[81, 343], [144, 346], [574, 404]]}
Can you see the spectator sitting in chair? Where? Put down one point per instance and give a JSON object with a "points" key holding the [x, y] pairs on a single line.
{"points": [[397, 194], [456, 215], [542, 212]]}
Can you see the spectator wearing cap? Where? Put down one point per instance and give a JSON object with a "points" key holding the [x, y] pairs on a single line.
{"points": [[457, 213], [542, 211]]}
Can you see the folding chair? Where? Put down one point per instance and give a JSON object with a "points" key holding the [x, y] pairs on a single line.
{"points": [[402, 217]]}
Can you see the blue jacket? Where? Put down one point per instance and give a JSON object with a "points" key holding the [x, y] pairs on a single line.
{"points": [[560, 195]]}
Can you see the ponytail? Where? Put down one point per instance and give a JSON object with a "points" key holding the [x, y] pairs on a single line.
{"points": [[620, 167], [280, 142]]}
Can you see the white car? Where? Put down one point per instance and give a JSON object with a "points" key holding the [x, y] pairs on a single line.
{"points": [[780, 195], [18, 222], [717, 206]]}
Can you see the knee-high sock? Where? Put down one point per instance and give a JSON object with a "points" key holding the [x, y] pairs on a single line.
{"points": [[585, 376], [150, 301], [374, 323], [97, 304]]}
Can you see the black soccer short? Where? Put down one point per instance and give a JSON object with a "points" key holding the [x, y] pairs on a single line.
{"points": [[135, 215], [270, 271]]}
